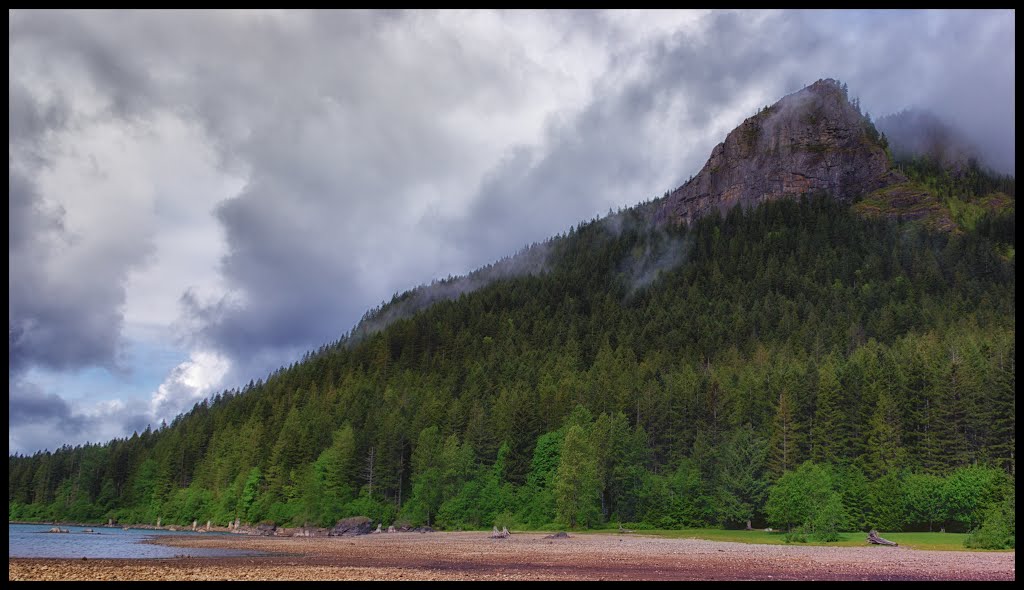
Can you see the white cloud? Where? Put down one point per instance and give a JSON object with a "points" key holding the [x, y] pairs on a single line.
{"points": [[189, 383]]}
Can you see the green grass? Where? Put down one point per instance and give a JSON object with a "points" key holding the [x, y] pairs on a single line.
{"points": [[923, 541]]}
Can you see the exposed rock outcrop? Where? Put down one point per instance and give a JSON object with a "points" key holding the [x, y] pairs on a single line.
{"points": [[809, 141], [907, 202]]}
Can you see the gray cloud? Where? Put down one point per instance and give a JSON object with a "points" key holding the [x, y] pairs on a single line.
{"points": [[637, 138], [41, 420], [55, 323], [28, 403]]}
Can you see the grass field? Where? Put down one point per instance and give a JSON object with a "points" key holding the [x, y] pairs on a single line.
{"points": [[929, 541]]}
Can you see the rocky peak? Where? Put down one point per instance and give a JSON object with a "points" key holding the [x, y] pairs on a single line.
{"points": [[809, 141]]}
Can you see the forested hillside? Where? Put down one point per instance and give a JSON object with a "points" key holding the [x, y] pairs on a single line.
{"points": [[793, 364]]}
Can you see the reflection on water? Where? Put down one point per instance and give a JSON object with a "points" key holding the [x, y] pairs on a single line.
{"points": [[34, 540]]}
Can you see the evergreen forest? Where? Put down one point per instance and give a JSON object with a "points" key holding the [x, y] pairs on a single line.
{"points": [[793, 365]]}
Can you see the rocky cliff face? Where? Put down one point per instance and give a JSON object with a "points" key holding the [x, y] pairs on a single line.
{"points": [[811, 140]]}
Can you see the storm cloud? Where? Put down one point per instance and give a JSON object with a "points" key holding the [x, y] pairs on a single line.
{"points": [[246, 184]]}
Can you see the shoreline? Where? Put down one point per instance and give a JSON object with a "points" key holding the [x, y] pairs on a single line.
{"points": [[523, 556], [145, 527]]}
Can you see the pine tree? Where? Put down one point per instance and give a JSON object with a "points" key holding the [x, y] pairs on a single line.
{"points": [[576, 485], [333, 471], [951, 414], [427, 472], [831, 424], [742, 485], [1001, 409], [885, 453]]}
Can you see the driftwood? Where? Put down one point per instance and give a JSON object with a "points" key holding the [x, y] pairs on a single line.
{"points": [[504, 534], [624, 530], [874, 539]]}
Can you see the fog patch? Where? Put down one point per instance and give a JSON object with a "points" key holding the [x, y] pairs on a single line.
{"points": [[532, 260]]}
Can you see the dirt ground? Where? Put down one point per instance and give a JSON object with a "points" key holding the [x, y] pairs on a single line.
{"points": [[475, 556]]}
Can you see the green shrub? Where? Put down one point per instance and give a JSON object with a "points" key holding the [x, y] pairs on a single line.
{"points": [[997, 530], [828, 520], [797, 535]]}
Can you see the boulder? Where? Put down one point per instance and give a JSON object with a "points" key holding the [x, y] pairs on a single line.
{"points": [[558, 535], [265, 529], [356, 525]]}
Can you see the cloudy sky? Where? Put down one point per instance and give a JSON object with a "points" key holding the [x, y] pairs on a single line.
{"points": [[197, 198]]}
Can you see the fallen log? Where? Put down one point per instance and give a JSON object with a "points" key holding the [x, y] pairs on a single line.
{"points": [[874, 539]]}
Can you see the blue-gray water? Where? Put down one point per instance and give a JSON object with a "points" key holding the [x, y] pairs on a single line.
{"points": [[33, 540]]}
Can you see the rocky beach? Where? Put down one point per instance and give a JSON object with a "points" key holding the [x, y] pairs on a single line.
{"points": [[524, 556]]}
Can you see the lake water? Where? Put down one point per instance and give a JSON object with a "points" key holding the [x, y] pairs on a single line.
{"points": [[33, 540]]}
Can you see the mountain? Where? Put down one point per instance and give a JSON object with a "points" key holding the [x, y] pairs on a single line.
{"points": [[808, 359], [812, 140]]}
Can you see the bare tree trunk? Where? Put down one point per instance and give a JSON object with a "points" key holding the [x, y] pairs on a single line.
{"points": [[369, 469], [401, 471]]}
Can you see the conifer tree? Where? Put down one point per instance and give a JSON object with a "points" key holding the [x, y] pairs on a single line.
{"points": [[576, 485], [831, 423], [885, 451]]}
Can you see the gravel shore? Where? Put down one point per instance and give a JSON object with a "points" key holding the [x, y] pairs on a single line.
{"points": [[474, 556]]}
